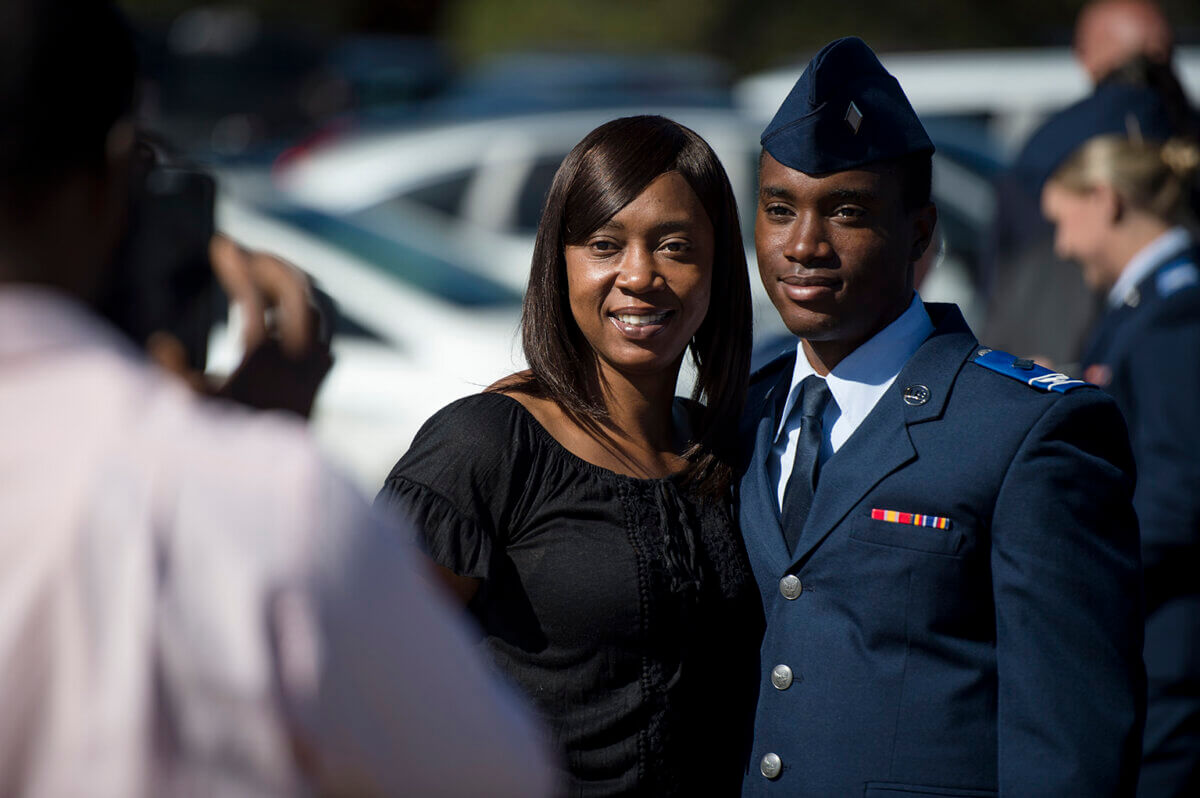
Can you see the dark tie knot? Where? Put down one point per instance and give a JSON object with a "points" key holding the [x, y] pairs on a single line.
{"points": [[814, 395]]}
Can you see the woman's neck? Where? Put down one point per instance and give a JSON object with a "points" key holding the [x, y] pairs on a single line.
{"points": [[636, 438], [639, 405], [1137, 231], [640, 420]]}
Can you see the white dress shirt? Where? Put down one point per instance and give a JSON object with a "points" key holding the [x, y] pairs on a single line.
{"points": [[1145, 261], [192, 603], [856, 384]]}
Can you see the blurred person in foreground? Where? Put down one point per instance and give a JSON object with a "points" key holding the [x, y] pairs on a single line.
{"points": [[943, 534], [1119, 204], [1038, 304], [580, 509], [192, 603]]}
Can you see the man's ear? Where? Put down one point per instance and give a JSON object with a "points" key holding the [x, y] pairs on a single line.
{"points": [[118, 154], [924, 221], [118, 144]]}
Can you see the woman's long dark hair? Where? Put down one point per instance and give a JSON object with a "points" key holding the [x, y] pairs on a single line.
{"points": [[601, 175]]}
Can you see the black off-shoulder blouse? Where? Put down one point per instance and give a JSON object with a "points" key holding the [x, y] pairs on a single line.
{"points": [[623, 607]]}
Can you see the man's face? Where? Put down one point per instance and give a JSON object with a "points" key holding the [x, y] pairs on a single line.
{"points": [[835, 252]]}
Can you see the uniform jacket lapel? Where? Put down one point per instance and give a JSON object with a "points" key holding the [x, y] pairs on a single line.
{"points": [[882, 444], [760, 507]]}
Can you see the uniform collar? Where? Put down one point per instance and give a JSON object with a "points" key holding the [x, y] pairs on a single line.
{"points": [[1143, 264], [863, 376]]}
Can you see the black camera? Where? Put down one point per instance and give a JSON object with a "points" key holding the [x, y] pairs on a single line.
{"points": [[162, 280]]}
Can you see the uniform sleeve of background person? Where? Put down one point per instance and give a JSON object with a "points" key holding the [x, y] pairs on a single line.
{"points": [[1068, 593], [1163, 392], [403, 702]]}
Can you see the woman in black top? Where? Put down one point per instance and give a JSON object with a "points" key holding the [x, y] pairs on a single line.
{"points": [[579, 508]]}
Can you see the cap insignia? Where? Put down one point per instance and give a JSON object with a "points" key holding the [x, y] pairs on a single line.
{"points": [[854, 117]]}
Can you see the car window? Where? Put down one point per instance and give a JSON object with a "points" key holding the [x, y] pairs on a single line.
{"points": [[376, 237], [445, 195], [532, 198]]}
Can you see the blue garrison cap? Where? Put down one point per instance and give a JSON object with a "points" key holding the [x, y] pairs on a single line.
{"points": [[1133, 111], [845, 111]]}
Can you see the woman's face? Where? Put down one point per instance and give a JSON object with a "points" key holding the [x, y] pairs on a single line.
{"points": [[1082, 221], [639, 286]]}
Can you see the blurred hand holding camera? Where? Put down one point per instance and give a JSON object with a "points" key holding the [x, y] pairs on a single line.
{"points": [[286, 329]]}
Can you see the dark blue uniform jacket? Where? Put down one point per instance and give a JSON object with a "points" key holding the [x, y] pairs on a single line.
{"points": [[1147, 355], [999, 655]]}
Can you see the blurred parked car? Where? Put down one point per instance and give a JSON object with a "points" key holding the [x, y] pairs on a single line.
{"points": [[475, 187], [524, 82]]}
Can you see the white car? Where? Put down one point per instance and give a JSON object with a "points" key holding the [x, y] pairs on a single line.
{"points": [[475, 188]]}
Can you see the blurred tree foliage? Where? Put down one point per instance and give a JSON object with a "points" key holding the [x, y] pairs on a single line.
{"points": [[749, 35], [756, 35]]}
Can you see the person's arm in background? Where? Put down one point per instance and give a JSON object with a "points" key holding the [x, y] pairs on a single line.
{"points": [[389, 693], [1163, 389], [1067, 583]]}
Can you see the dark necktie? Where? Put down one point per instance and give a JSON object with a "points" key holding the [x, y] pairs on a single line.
{"points": [[798, 495]]}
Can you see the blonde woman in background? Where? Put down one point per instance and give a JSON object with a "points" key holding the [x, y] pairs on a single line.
{"points": [[1120, 203]]}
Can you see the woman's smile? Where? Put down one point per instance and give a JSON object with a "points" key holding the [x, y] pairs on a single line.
{"points": [[641, 324]]}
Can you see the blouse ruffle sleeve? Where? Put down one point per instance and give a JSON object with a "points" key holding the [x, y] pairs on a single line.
{"points": [[461, 482]]}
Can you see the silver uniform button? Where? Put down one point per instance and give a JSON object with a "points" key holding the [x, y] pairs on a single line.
{"points": [[790, 587], [781, 677], [771, 766]]}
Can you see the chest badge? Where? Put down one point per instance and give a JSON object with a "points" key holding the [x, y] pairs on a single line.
{"points": [[916, 395], [912, 519]]}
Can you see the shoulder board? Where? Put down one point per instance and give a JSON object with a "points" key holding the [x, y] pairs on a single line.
{"points": [[1027, 371], [1173, 278]]}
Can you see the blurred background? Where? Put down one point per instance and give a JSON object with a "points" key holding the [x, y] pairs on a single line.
{"points": [[400, 150]]}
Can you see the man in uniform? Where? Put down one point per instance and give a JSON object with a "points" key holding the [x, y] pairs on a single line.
{"points": [[942, 535]]}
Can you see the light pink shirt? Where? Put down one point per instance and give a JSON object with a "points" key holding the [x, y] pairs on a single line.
{"points": [[188, 596]]}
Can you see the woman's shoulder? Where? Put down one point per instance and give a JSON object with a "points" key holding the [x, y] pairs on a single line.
{"points": [[477, 427], [475, 446], [487, 406]]}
